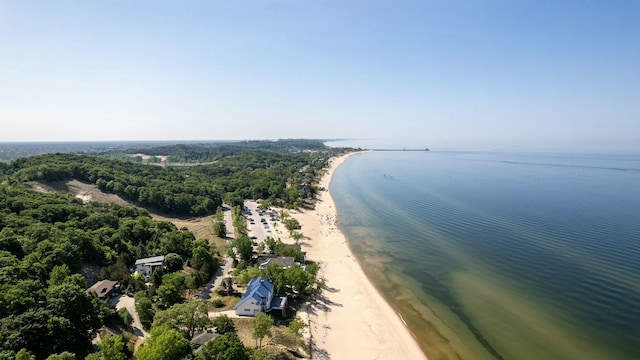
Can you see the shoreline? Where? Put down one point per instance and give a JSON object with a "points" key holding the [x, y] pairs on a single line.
{"points": [[351, 318]]}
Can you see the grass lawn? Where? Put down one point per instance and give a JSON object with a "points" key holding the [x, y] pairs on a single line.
{"points": [[275, 345], [229, 302]]}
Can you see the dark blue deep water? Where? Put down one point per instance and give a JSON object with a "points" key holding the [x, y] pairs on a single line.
{"points": [[512, 256]]}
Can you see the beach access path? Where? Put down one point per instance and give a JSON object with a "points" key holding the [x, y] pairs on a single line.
{"points": [[351, 319]]}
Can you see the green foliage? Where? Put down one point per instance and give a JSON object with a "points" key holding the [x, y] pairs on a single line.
{"points": [[125, 317], [156, 278], [164, 343], [291, 225], [239, 222], [260, 354], [58, 274], [173, 262], [291, 280], [225, 347], [203, 261], [45, 238], [167, 189], [62, 356], [224, 324], [111, 348], [190, 317], [283, 173], [220, 229], [295, 328], [243, 248], [81, 313], [23, 354], [118, 272], [170, 292], [297, 236], [261, 327], [217, 301], [277, 247], [144, 308]]}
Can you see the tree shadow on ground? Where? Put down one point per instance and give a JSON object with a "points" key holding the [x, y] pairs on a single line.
{"points": [[321, 303]]}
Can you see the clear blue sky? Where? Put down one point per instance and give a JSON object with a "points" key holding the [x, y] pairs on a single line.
{"points": [[450, 73]]}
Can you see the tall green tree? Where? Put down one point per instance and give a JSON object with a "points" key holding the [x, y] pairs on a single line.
{"points": [[219, 226], [144, 308], [224, 347], [164, 343], [23, 354], [295, 328], [111, 348], [261, 327], [173, 262], [243, 247], [80, 315], [170, 292], [190, 316], [66, 355], [223, 324]]}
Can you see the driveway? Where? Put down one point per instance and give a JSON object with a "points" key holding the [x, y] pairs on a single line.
{"points": [[129, 303], [216, 280]]}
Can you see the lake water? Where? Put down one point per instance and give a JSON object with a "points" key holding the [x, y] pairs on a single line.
{"points": [[501, 255]]}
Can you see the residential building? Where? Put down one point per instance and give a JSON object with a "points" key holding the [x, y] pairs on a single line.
{"points": [[259, 298], [284, 261], [146, 266], [104, 288]]}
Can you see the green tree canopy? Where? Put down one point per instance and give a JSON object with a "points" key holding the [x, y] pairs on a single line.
{"points": [[190, 316], [111, 348], [261, 327], [170, 292], [173, 262], [223, 324], [295, 328], [164, 343], [144, 308], [225, 347]]}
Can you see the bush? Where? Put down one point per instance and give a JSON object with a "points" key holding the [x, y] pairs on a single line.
{"points": [[217, 302], [125, 316]]}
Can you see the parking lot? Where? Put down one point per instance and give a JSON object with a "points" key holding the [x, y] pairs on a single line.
{"points": [[261, 224]]}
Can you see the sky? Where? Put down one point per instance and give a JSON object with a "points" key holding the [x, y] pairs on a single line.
{"points": [[454, 74]]}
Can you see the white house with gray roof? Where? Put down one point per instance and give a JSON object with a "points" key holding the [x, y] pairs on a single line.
{"points": [[146, 266]]}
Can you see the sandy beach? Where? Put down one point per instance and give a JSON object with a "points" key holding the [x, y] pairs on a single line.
{"points": [[351, 319]]}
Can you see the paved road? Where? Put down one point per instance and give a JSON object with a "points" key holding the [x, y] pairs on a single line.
{"points": [[216, 280], [228, 222], [225, 264], [229, 313]]}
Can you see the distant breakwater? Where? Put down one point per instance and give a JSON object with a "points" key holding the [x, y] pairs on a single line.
{"points": [[403, 149]]}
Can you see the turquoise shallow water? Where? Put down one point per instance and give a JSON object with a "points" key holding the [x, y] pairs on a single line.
{"points": [[514, 256]]}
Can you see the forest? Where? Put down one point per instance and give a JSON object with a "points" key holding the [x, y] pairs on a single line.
{"points": [[283, 175], [50, 242], [47, 240]]}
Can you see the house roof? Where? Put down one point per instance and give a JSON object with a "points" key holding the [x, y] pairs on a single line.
{"points": [[294, 246], [258, 288], [203, 338], [279, 302], [103, 288], [284, 261], [155, 260], [260, 284]]}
